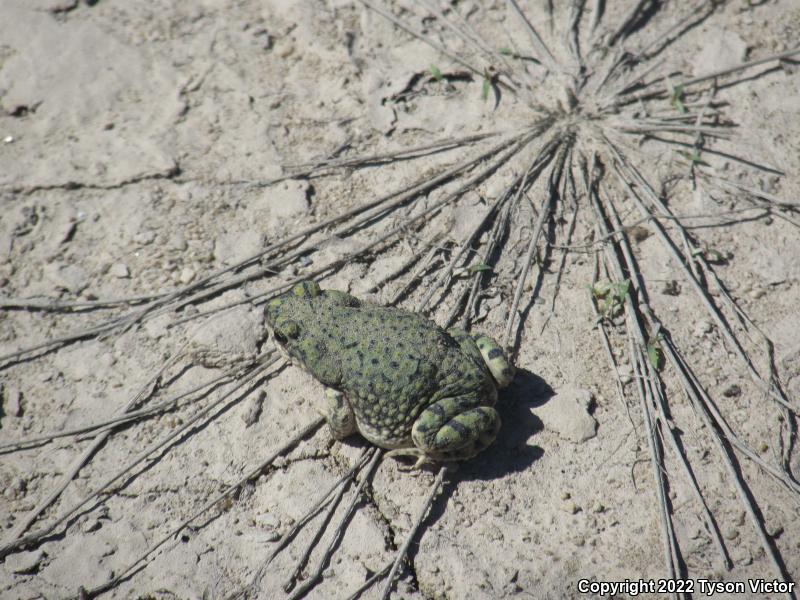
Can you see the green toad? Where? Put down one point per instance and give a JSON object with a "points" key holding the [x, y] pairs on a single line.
{"points": [[394, 376]]}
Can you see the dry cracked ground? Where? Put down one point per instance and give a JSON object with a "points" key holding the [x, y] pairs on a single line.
{"points": [[139, 144]]}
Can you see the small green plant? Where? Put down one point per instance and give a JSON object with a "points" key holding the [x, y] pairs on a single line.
{"points": [[478, 268], [436, 73], [712, 255], [676, 99], [654, 353], [611, 297], [693, 157], [471, 270], [487, 85]]}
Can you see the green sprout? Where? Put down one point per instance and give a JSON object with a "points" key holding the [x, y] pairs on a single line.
{"points": [[611, 297], [478, 268], [654, 353], [676, 99], [694, 157], [486, 87]]}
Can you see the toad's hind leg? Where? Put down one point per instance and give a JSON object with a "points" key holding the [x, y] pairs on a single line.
{"points": [[455, 428], [486, 349], [338, 413], [496, 360]]}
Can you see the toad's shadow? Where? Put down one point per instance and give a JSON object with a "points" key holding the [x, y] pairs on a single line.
{"points": [[511, 451]]}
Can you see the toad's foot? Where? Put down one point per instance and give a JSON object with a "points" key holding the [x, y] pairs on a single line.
{"points": [[338, 413], [456, 428]]}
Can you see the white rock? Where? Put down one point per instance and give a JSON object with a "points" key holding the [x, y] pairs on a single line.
{"points": [[177, 242], [187, 275], [289, 199], [723, 48], [119, 270], [234, 246], [467, 218], [13, 404], [144, 237], [230, 336], [567, 415], [702, 327], [24, 562], [252, 408], [69, 277]]}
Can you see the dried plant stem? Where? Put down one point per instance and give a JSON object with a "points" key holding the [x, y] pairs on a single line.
{"points": [[146, 390], [437, 484], [377, 576], [400, 197], [628, 174], [601, 327], [646, 391], [251, 475], [473, 39], [646, 95], [312, 579], [50, 305], [544, 53], [421, 36], [351, 162], [132, 317], [36, 536], [332, 504], [624, 26], [126, 417], [544, 214], [661, 404], [252, 588]]}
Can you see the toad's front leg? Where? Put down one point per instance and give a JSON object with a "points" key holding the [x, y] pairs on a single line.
{"points": [[338, 413]]}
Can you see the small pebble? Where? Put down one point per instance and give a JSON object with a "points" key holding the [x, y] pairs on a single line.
{"points": [[177, 242], [13, 405], [732, 391], [24, 562], [144, 237], [671, 288], [598, 507], [107, 360], [8, 139], [252, 410], [119, 270], [731, 534], [187, 275], [759, 293], [776, 531], [91, 525], [702, 327], [570, 507]]}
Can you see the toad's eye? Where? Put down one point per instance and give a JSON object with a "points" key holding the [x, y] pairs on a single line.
{"points": [[288, 329]]}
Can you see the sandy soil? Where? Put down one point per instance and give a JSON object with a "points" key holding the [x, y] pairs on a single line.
{"points": [[136, 138]]}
